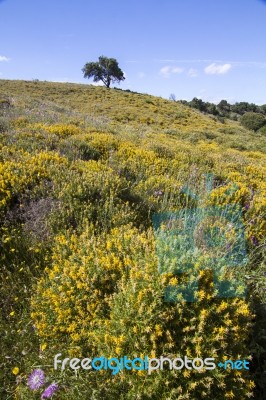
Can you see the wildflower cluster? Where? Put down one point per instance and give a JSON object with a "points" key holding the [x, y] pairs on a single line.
{"points": [[36, 381]]}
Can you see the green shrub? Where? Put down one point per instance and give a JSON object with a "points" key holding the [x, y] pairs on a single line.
{"points": [[4, 125], [75, 149], [253, 120], [262, 130], [5, 104]]}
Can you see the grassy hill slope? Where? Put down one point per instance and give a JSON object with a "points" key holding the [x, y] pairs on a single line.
{"points": [[116, 109], [83, 172]]}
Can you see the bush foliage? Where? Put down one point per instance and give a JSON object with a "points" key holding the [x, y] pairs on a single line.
{"points": [[253, 121], [79, 253]]}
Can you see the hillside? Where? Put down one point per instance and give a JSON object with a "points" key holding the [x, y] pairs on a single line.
{"points": [[109, 201], [117, 109]]}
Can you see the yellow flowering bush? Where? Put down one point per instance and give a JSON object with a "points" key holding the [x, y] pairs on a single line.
{"points": [[61, 130], [85, 272], [105, 297], [16, 176]]}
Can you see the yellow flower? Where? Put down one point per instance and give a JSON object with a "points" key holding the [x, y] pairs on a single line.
{"points": [[118, 350], [201, 294], [229, 395], [186, 374], [158, 330], [12, 313], [221, 330], [15, 371], [43, 346]]}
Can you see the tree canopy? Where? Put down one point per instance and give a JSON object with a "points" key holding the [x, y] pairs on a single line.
{"points": [[105, 70]]}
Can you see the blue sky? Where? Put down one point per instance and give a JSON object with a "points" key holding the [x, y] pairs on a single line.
{"points": [[208, 49]]}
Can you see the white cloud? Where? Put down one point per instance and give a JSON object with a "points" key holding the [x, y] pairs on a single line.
{"points": [[177, 70], [141, 75], [233, 63], [3, 58], [167, 71], [192, 72], [216, 69]]}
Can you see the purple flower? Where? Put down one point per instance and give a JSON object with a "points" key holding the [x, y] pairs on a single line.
{"points": [[254, 241], [158, 193], [228, 246], [49, 391], [36, 379]]}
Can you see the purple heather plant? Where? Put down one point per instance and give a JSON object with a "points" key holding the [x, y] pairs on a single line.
{"points": [[254, 240], [49, 391], [247, 206], [36, 379]]}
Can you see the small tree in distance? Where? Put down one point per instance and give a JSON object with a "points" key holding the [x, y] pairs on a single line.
{"points": [[105, 70], [172, 97]]}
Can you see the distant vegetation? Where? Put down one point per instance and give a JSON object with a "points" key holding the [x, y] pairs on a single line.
{"points": [[83, 170], [253, 121], [232, 111]]}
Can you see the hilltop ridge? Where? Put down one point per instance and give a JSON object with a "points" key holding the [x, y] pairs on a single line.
{"points": [[115, 109]]}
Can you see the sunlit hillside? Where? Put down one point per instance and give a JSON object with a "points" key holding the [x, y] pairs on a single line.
{"points": [[86, 173], [114, 109]]}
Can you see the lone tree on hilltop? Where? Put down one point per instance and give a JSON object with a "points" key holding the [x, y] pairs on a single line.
{"points": [[105, 70]]}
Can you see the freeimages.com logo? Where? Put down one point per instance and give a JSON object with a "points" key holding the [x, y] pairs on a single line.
{"points": [[198, 238]]}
